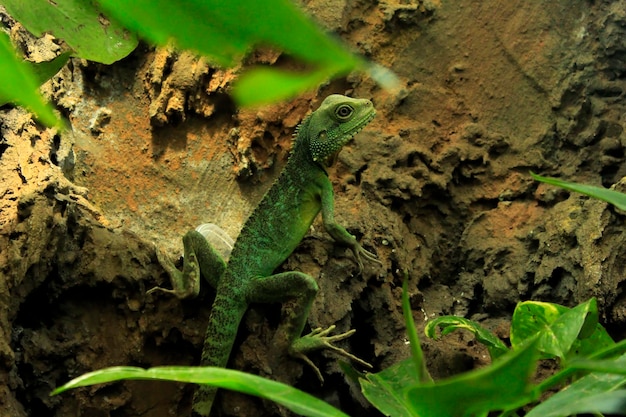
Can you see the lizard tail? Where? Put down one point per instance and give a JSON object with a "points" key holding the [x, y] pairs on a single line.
{"points": [[221, 332]]}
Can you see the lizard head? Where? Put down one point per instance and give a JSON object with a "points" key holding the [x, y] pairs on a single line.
{"points": [[334, 124]]}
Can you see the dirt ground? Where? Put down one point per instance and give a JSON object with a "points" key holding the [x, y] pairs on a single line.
{"points": [[438, 184]]}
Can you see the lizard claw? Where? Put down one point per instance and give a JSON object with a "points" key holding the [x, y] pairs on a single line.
{"points": [[319, 339], [360, 252], [160, 289]]}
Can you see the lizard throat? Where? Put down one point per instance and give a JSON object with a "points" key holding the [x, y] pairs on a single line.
{"points": [[332, 159]]}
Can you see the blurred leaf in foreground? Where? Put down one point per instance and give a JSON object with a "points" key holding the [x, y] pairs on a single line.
{"points": [[225, 31], [295, 400], [79, 23], [20, 84]]}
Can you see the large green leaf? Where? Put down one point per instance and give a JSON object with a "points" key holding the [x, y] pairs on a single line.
{"points": [[502, 386], [590, 345], [20, 84], [225, 31], [559, 327], [610, 196], [386, 390], [448, 324], [79, 23], [47, 69], [579, 400], [43, 71], [295, 400], [260, 85], [594, 393]]}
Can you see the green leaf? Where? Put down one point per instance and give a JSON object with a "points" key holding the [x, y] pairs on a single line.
{"points": [[448, 324], [502, 386], [263, 85], [594, 393], [559, 327], [20, 85], [386, 389], [590, 345], [225, 31], [612, 366], [416, 347], [79, 23], [43, 71], [580, 401], [610, 196], [47, 69], [295, 400]]}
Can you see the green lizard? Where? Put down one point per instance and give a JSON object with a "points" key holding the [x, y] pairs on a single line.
{"points": [[268, 237]]}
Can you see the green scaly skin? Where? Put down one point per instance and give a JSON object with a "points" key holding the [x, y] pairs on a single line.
{"points": [[269, 236]]}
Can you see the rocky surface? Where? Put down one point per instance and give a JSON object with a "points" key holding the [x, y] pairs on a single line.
{"points": [[437, 185]]}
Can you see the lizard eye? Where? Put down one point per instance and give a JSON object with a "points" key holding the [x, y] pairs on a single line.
{"points": [[344, 111]]}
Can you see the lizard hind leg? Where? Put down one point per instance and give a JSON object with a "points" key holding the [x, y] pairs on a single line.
{"points": [[300, 289], [200, 259]]}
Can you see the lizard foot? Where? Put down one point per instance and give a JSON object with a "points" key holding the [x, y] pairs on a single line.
{"points": [[319, 339], [186, 284], [360, 252]]}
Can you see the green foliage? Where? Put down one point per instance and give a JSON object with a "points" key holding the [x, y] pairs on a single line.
{"points": [[79, 23], [592, 380], [503, 385], [263, 85], [448, 324], [225, 31], [387, 390], [563, 332], [422, 374], [572, 335], [38, 72], [599, 392], [221, 31], [20, 84], [396, 391], [45, 70], [537, 330], [610, 196], [295, 400]]}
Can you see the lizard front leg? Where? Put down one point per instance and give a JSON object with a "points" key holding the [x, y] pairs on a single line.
{"points": [[200, 259], [338, 232], [301, 289]]}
